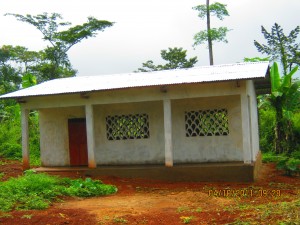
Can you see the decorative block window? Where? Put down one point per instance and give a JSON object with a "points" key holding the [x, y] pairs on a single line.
{"points": [[123, 127], [211, 122]]}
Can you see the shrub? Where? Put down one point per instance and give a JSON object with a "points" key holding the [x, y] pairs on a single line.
{"points": [[272, 157], [37, 191], [10, 135], [291, 166], [88, 188], [266, 129]]}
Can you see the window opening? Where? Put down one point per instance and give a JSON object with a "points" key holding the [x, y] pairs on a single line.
{"points": [[123, 127], [211, 122]]}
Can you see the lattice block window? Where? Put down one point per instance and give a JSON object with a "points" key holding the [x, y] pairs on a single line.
{"points": [[211, 122], [123, 127]]}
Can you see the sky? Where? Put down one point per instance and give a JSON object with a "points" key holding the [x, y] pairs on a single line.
{"points": [[143, 28]]}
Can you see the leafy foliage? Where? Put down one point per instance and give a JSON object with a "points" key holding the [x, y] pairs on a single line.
{"points": [[284, 99], [266, 129], [216, 9], [216, 35], [10, 135], [54, 59], [290, 165], [9, 76], [268, 157], [37, 191], [280, 46], [88, 188], [175, 57]]}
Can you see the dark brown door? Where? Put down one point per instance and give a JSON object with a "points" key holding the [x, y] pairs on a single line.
{"points": [[77, 142]]}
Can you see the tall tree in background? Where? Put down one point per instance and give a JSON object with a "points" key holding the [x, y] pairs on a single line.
{"points": [[175, 57], [54, 59], [281, 47], [211, 35]]}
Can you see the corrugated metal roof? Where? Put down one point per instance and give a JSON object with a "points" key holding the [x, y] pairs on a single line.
{"points": [[226, 72]]}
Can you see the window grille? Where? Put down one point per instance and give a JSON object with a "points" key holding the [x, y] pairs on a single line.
{"points": [[211, 122], [123, 127]]}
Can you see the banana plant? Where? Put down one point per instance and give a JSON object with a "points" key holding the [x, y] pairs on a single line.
{"points": [[284, 98]]}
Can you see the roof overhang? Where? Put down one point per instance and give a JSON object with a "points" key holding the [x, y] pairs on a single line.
{"points": [[258, 72]]}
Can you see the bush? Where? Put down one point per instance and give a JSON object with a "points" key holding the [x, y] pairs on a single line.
{"points": [[37, 191], [10, 135], [266, 129], [272, 157], [11, 150], [291, 166], [88, 188]]}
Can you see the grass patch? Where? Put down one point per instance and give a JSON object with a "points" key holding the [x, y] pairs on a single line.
{"points": [[268, 157], [186, 219], [37, 191]]}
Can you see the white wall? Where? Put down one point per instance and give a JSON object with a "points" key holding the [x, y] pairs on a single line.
{"points": [[54, 134], [134, 151], [207, 148]]}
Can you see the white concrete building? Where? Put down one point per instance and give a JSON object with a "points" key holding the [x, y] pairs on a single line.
{"points": [[200, 121]]}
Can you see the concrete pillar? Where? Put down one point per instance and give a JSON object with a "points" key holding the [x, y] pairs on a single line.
{"points": [[25, 138], [246, 129], [89, 113], [168, 133]]}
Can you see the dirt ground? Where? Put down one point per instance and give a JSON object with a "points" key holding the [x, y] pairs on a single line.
{"points": [[140, 201]]}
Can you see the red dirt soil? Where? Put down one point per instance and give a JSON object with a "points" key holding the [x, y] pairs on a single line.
{"points": [[141, 201]]}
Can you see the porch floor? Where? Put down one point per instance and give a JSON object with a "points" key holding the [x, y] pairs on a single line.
{"points": [[229, 171]]}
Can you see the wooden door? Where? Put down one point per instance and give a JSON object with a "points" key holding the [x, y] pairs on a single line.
{"points": [[77, 142]]}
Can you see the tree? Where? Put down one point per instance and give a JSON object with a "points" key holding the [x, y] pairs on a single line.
{"points": [[281, 47], [10, 78], [211, 35], [175, 57], [285, 99], [54, 59]]}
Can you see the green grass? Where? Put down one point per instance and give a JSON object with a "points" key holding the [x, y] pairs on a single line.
{"points": [[37, 191], [271, 157]]}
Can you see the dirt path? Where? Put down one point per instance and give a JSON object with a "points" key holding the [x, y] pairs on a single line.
{"points": [[142, 203]]}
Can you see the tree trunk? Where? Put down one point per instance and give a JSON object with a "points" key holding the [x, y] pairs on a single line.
{"points": [[211, 59], [279, 128]]}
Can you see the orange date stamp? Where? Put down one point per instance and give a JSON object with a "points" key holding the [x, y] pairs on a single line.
{"points": [[244, 193]]}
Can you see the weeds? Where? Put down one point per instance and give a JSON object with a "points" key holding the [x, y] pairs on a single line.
{"points": [[27, 216], [37, 191], [186, 219], [119, 220]]}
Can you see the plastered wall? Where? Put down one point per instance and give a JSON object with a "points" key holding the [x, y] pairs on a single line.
{"points": [[54, 134], [133, 151], [207, 148]]}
